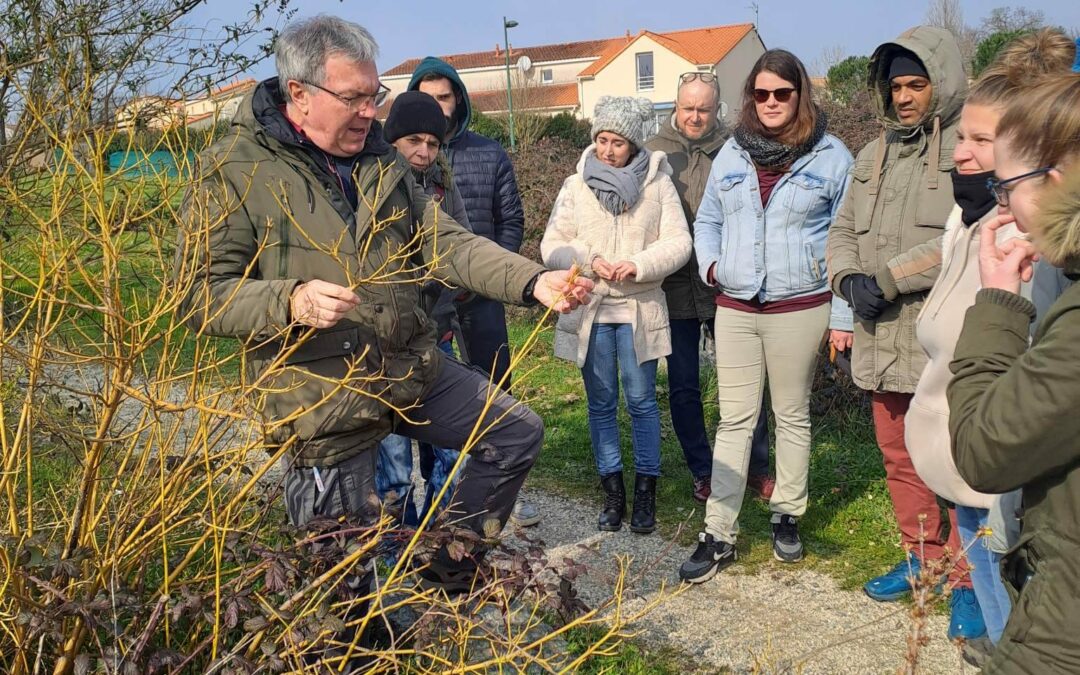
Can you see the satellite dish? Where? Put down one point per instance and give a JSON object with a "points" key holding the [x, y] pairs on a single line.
{"points": [[524, 64]]}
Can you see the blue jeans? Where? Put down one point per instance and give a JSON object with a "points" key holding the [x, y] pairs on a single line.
{"points": [[684, 400], [611, 353], [393, 474], [986, 575]]}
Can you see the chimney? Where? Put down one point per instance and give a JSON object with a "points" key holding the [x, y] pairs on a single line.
{"points": [[627, 34], [498, 51]]}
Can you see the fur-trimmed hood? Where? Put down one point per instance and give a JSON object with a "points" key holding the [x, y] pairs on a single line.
{"points": [[1058, 224]]}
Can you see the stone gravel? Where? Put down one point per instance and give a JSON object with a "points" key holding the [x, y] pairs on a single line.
{"points": [[778, 619]]}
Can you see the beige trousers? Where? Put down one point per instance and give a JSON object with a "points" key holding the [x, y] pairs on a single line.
{"points": [[785, 346]]}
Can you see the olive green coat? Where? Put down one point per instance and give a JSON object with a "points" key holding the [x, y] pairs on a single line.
{"points": [[1014, 424], [891, 222], [688, 297], [265, 217]]}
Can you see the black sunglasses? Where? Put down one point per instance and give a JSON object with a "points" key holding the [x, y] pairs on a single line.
{"points": [[783, 94], [1001, 188]]}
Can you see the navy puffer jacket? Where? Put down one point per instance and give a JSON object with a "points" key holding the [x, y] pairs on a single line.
{"points": [[482, 170]]}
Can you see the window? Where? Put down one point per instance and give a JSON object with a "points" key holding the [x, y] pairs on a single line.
{"points": [[645, 75], [547, 76]]}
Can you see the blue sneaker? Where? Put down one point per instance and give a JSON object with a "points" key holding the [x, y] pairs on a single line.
{"points": [[895, 583], [966, 620]]}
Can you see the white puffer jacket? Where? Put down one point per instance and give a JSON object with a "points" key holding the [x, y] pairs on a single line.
{"points": [[653, 235], [926, 423]]}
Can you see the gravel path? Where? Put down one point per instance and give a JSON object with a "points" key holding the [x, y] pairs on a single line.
{"points": [[780, 618]]}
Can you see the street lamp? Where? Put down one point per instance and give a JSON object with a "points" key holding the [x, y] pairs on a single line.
{"points": [[507, 25]]}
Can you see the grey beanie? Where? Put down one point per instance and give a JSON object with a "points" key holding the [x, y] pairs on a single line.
{"points": [[623, 115]]}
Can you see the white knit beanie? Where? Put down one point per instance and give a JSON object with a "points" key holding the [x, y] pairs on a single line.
{"points": [[623, 115]]}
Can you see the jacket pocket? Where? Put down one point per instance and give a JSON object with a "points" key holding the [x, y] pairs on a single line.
{"points": [[859, 192], [729, 192], [812, 265], [339, 342], [806, 194], [935, 205]]}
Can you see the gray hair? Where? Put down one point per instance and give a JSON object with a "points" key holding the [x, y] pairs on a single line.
{"points": [[302, 49]]}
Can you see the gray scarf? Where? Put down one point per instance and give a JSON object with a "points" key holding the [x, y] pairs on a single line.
{"points": [[617, 190], [770, 153]]}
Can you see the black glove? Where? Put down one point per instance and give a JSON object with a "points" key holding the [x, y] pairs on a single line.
{"points": [[865, 296]]}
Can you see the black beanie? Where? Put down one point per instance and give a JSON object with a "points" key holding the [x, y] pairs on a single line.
{"points": [[414, 112], [905, 64]]}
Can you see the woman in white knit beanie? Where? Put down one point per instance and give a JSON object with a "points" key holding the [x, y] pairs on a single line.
{"points": [[620, 221]]}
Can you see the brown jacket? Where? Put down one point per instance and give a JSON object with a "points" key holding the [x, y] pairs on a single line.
{"points": [[688, 297], [891, 223]]}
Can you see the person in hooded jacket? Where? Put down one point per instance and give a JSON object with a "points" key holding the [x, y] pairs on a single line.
{"points": [[884, 254], [1014, 421], [415, 126], [485, 178], [938, 326]]}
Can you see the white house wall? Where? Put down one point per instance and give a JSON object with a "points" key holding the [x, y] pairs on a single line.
{"points": [[619, 77], [732, 70], [494, 78]]}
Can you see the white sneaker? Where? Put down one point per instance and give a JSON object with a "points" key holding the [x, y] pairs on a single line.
{"points": [[524, 513]]}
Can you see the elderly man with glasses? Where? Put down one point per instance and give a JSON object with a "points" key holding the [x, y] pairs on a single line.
{"points": [[691, 139], [307, 237]]}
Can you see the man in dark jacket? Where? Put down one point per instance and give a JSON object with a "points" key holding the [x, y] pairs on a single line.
{"points": [[415, 126], [691, 141], [485, 177], [307, 237]]}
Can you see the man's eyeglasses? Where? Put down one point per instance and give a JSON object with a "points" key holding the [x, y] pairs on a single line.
{"points": [[1002, 188], [783, 94], [358, 102]]}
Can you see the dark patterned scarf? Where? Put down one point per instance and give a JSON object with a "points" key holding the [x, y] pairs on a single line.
{"points": [[770, 153]]}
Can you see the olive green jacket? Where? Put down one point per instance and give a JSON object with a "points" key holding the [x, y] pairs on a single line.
{"points": [[891, 222], [1014, 424], [265, 215], [688, 297]]}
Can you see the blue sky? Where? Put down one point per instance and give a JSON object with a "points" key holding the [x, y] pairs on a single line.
{"points": [[408, 28]]}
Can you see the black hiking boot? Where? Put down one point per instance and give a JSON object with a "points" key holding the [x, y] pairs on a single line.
{"points": [[643, 520], [614, 502]]}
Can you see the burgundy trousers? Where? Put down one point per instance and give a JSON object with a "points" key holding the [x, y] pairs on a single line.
{"points": [[911, 498]]}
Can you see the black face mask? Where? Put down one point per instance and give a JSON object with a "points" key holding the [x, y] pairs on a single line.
{"points": [[971, 193]]}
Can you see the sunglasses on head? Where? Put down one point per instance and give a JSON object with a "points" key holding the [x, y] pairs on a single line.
{"points": [[782, 95], [706, 77]]}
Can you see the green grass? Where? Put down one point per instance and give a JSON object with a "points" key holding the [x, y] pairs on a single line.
{"points": [[632, 658], [848, 529]]}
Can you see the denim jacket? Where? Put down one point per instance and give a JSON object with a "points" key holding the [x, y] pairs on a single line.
{"points": [[777, 252]]}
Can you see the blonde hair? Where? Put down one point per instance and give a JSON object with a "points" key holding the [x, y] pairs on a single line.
{"points": [[1042, 127], [1021, 63]]}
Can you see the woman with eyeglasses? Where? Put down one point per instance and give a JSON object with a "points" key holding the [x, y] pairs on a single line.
{"points": [[1014, 419], [938, 326], [760, 233]]}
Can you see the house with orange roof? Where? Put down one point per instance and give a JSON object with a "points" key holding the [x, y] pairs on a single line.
{"points": [[158, 112], [571, 76]]}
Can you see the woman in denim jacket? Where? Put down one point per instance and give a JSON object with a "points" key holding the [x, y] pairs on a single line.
{"points": [[760, 235]]}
